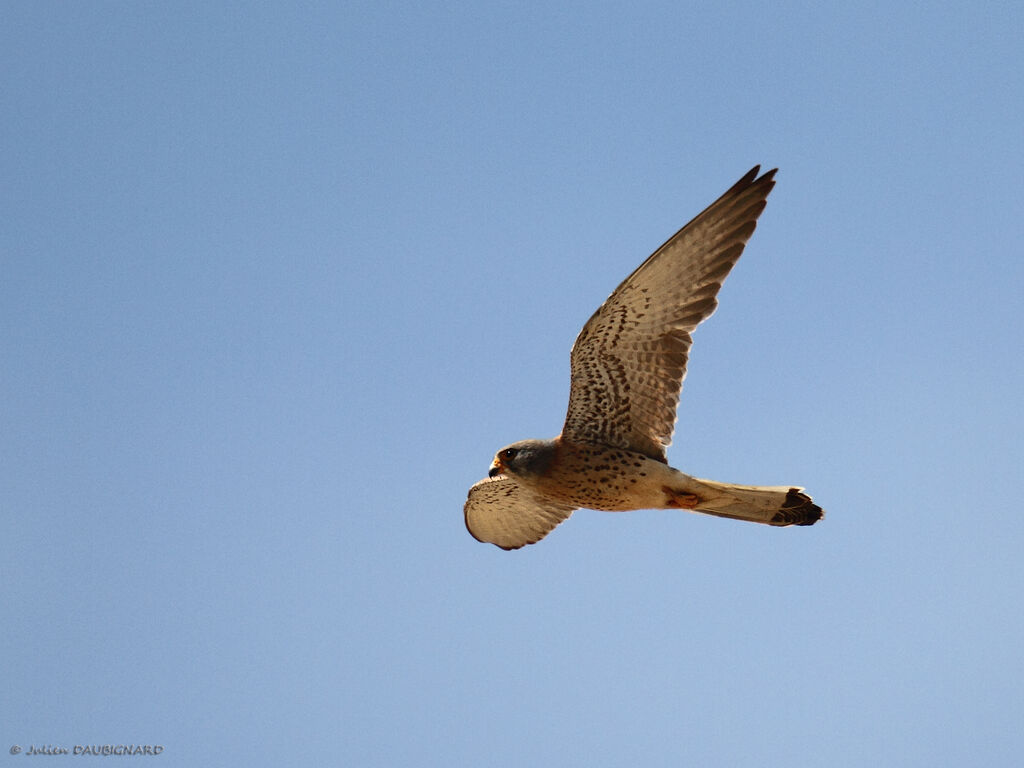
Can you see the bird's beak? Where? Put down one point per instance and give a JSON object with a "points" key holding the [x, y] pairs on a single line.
{"points": [[496, 469]]}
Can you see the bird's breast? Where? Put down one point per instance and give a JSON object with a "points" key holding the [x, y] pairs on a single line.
{"points": [[606, 478]]}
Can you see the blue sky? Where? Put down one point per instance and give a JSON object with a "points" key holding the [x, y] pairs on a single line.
{"points": [[278, 280]]}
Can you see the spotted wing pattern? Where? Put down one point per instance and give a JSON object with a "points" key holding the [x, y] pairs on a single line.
{"points": [[501, 511], [629, 360]]}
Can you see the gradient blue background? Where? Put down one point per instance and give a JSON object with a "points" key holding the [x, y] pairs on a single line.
{"points": [[277, 280]]}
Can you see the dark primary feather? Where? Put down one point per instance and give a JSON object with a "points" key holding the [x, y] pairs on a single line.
{"points": [[629, 361]]}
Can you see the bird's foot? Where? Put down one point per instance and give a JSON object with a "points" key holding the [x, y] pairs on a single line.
{"points": [[681, 500]]}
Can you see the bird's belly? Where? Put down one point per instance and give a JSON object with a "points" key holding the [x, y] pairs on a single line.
{"points": [[612, 479]]}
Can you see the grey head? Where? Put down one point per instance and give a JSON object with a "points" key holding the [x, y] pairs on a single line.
{"points": [[525, 459]]}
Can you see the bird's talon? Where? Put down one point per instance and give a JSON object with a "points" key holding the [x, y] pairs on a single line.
{"points": [[682, 500]]}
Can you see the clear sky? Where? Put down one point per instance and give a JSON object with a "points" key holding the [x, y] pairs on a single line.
{"points": [[278, 279]]}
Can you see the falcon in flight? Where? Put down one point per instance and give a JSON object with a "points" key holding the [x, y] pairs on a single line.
{"points": [[628, 365]]}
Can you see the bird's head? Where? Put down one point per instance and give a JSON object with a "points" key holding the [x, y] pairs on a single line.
{"points": [[525, 459]]}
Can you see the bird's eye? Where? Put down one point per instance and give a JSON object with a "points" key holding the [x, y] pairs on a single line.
{"points": [[508, 454]]}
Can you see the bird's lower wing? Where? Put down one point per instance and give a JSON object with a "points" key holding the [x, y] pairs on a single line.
{"points": [[502, 512]]}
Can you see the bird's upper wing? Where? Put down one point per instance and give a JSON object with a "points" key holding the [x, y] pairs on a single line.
{"points": [[501, 511], [629, 360]]}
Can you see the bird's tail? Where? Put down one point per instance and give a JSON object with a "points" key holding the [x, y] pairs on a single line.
{"points": [[774, 505]]}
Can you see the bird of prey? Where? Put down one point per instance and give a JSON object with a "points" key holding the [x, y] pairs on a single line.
{"points": [[628, 365]]}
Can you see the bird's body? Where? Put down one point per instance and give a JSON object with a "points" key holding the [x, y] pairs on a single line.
{"points": [[601, 477], [617, 480], [628, 365]]}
